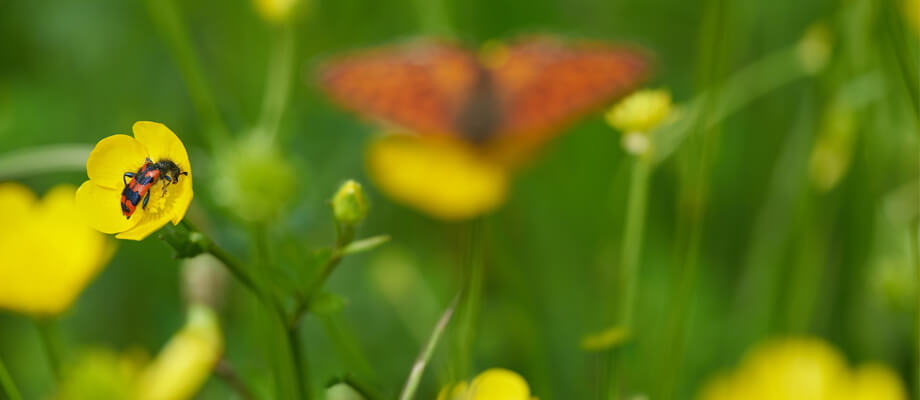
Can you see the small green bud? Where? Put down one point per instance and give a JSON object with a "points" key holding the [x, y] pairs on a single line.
{"points": [[254, 180], [349, 205]]}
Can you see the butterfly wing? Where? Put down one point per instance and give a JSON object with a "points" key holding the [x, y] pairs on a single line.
{"points": [[544, 83], [419, 85]]}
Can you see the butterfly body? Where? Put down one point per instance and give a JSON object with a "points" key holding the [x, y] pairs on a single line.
{"points": [[522, 95]]}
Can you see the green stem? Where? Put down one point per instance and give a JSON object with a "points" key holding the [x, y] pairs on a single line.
{"points": [[629, 264], [43, 159], [298, 357], [632, 240], [278, 82], [168, 19], [235, 266], [7, 384], [415, 374], [475, 267], [47, 334]]}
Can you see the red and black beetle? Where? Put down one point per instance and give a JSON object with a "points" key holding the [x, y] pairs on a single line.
{"points": [[141, 181]]}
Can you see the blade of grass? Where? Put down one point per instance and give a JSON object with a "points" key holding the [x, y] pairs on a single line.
{"points": [[415, 374], [7, 384]]}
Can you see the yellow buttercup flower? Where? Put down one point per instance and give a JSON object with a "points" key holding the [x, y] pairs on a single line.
{"points": [[444, 178], [641, 111], [492, 384], [185, 363], [275, 10], [47, 252], [99, 198], [102, 372], [912, 12], [802, 369]]}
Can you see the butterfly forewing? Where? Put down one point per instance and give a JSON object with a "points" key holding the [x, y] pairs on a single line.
{"points": [[544, 83], [419, 85]]}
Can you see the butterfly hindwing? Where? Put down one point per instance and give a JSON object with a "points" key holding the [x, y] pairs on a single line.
{"points": [[419, 85], [544, 83]]}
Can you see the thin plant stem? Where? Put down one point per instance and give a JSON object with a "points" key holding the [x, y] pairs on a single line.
{"points": [[47, 334], [303, 302], [298, 358], [168, 19], [632, 239], [629, 264], [278, 82], [225, 371], [415, 374], [469, 312], [7, 384], [44, 159]]}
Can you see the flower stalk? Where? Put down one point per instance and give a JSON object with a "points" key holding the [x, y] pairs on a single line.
{"points": [[7, 385], [47, 334]]}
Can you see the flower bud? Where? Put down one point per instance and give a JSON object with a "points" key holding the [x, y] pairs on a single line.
{"points": [[814, 49], [830, 158], [349, 205], [253, 180]]}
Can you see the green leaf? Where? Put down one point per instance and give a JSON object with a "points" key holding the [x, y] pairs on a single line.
{"points": [[359, 246], [326, 303]]}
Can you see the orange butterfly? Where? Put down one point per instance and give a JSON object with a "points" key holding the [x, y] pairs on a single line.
{"points": [[518, 95]]}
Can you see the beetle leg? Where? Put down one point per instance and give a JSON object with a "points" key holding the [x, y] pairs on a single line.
{"points": [[146, 198], [127, 175]]}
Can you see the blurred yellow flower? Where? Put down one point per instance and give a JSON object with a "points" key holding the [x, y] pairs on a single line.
{"points": [[641, 111], [912, 13], [177, 373], [814, 48], [275, 10], [492, 384], [444, 178], [802, 369], [99, 198], [103, 373], [47, 252], [186, 361]]}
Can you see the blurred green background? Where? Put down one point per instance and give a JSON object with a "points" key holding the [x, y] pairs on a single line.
{"points": [[777, 254]]}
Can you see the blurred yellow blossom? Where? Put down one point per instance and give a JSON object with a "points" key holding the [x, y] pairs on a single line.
{"points": [[802, 369], [814, 48], [912, 13], [492, 384], [832, 153], [103, 373], [446, 178], [99, 198], [641, 111], [186, 361], [47, 252], [276, 10], [177, 373]]}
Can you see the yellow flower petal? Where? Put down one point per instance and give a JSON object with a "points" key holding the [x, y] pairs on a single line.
{"points": [[16, 202], [183, 199], [185, 363], [101, 208], [499, 384], [162, 143], [445, 179], [874, 382], [50, 257], [145, 226], [112, 157]]}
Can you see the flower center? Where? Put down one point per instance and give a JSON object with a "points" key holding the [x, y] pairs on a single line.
{"points": [[160, 200]]}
